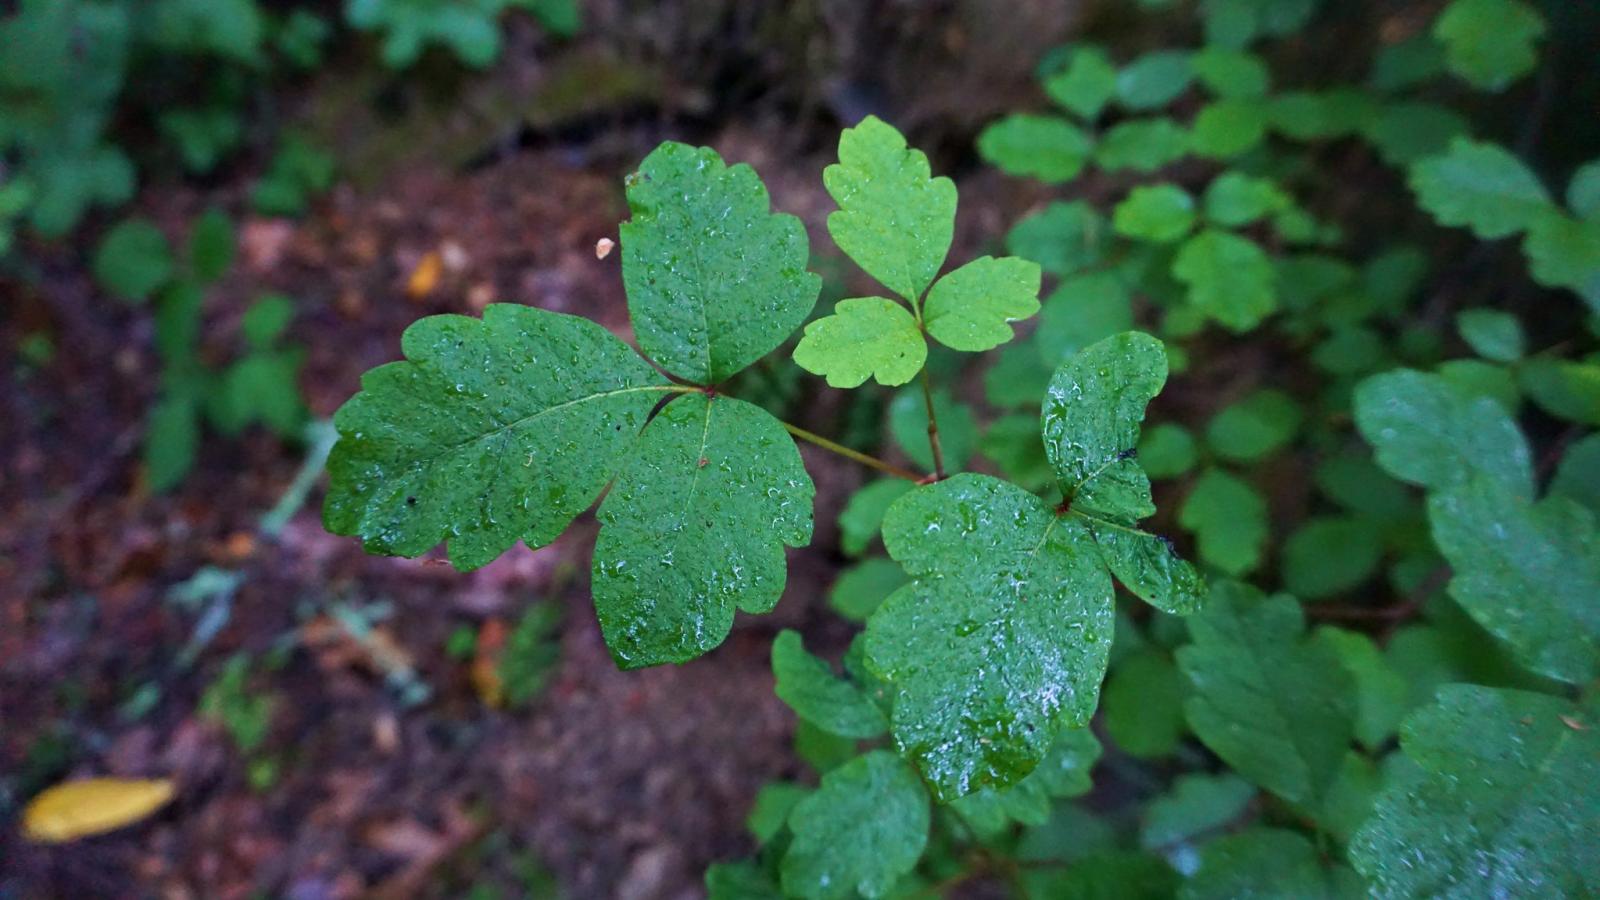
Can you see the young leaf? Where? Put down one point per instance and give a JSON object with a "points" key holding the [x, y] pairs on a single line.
{"points": [[973, 307], [1267, 862], [211, 246], [1428, 432], [1143, 145], [1086, 84], [1161, 213], [715, 279], [1489, 43], [810, 688], [1502, 797], [1382, 693], [1329, 555], [1050, 149], [172, 440], [1230, 278], [867, 337], [1528, 573], [894, 218], [1002, 637], [1232, 73], [1228, 128], [1235, 199], [1229, 518], [1167, 450], [1479, 186], [859, 832], [491, 431], [1082, 310], [1091, 418], [694, 527], [769, 814], [1274, 706], [1564, 252]]}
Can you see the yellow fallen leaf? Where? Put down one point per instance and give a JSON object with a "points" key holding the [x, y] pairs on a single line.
{"points": [[425, 277], [78, 809]]}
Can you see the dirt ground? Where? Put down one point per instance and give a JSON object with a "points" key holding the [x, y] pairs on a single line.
{"points": [[620, 784]]}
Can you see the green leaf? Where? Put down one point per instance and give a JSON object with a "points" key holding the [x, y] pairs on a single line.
{"points": [[1329, 555], [1232, 73], [1267, 862], [867, 337], [1564, 252], [807, 684], [1274, 706], [211, 246], [894, 218], [861, 589], [490, 432], [1492, 334], [133, 260], [862, 515], [266, 319], [1254, 428], [694, 527], [1477, 378], [1480, 186], [1048, 148], [958, 430], [1527, 572], [859, 832], [1382, 693], [1086, 84], [1583, 191], [1501, 799], [971, 308], [1002, 637], [1228, 128], [1407, 63], [1149, 567], [1161, 213], [1154, 79], [1234, 199], [1195, 805], [1143, 145], [742, 880], [770, 812], [1063, 773], [1013, 443], [1091, 418], [1062, 238], [1578, 476], [1142, 708], [1320, 115], [1106, 875], [172, 439], [1082, 310], [1489, 43], [1230, 278], [1167, 451], [1229, 519], [1428, 432], [1404, 133], [715, 279]]}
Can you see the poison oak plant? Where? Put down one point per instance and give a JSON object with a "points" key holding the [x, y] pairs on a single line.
{"points": [[982, 671]]}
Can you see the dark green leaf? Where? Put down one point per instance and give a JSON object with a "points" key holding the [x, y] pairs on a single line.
{"points": [[1479, 186], [1267, 862], [861, 589], [1143, 705], [1428, 432], [810, 688], [1229, 518], [859, 832], [1489, 43], [133, 260], [862, 515]]}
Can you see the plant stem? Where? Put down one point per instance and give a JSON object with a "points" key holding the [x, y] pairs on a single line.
{"points": [[846, 452], [933, 427]]}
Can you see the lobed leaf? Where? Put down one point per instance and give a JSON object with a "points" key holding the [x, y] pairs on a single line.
{"points": [[1479, 186], [867, 337], [859, 832], [810, 688], [973, 307]]}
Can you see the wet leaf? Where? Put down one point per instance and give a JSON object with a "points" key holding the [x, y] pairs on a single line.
{"points": [[867, 337], [973, 307], [859, 832], [1063, 773]]}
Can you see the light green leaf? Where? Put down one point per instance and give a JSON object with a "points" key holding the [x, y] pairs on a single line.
{"points": [[1230, 278], [1195, 805], [1002, 637], [1167, 450], [1154, 79], [1428, 432], [133, 260], [1489, 43], [1050, 149], [1228, 128], [1382, 692], [971, 308], [1142, 708], [862, 515], [1502, 799], [894, 218], [1273, 705], [1329, 555], [1565, 252], [1256, 427], [859, 832], [1480, 186], [1232, 73], [1086, 84], [862, 588], [490, 432], [958, 430], [266, 319], [1161, 213], [715, 279], [807, 684], [1492, 334], [1062, 238], [770, 812], [1234, 199], [694, 527], [1528, 573], [1229, 519], [866, 337], [1143, 145], [1267, 862], [1063, 773]]}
